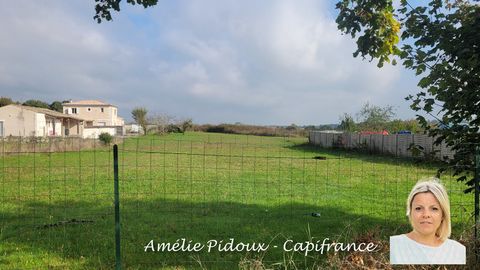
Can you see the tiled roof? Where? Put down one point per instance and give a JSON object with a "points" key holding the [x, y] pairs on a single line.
{"points": [[86, 103], [47, 112]]}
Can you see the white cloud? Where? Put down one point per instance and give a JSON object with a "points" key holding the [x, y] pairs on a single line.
{"points": [[95, 42], [217, 61]]}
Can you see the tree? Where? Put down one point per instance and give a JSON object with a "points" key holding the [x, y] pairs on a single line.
{"points": [[161, 122], [347, 123], [328, 127], [375, 117], [292, 127], [399, 125], [103, 7], [4, 101], [36, 103], [56, 106], [139, 114], [186, 125], [441, 43]]}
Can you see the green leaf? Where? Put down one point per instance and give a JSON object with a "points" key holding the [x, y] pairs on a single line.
{"points": [[424, 82], [420, 69], [408, 63]]}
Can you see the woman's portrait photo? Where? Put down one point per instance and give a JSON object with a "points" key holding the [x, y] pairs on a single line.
{"points": [[428, 210]]}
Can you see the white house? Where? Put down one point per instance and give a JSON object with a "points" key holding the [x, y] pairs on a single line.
{"points": [[99, 117], [18, 120]]}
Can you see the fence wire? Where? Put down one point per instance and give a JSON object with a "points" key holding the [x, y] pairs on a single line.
{"points": [[57, 199]]}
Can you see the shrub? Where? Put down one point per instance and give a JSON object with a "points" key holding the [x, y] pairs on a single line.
{"points": [[252, 130], [105, 138], [218, 129], [172, 128], [420, 153]]}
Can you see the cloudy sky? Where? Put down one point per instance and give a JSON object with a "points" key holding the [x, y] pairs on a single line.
{"points": [[216, 61]]}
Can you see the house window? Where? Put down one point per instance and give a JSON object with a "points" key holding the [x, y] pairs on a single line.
{"points": [[101, 109], [89, 109], [74, 110], [1, 128]]}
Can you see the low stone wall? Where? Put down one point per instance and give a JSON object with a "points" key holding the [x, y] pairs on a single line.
{"points": [[12, 145]]}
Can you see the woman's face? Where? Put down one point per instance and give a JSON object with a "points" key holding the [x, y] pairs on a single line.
{"points": [[426, 214]]}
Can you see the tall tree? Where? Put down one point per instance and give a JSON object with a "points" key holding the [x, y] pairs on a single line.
{"points": [[375, 117], [441, 43], [347, 123], [186, 125], [161, 122], [139, 114], [56, 106], [4, 101], [36, 103]]}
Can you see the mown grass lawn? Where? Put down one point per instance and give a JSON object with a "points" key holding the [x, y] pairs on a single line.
{"points": [[56, 209]]}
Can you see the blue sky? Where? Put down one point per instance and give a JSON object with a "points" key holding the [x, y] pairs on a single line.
{"points": [[257, 62]]}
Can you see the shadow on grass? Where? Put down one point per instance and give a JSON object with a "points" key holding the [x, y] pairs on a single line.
{"points": [[26, 243]]}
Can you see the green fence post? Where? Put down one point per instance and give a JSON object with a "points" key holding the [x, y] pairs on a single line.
{"points": [[477, 206], [118, 259]]}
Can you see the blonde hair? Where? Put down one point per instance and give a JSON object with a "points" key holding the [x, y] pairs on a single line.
{"points": [[433, 186]]}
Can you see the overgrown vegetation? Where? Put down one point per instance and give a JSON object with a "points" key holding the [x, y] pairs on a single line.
{"points": [[289, 131]]}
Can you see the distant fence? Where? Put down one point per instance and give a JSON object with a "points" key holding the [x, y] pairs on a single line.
{"points": [[12, 145], [395, 144]]}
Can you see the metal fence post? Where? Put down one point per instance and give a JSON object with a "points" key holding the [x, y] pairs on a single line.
{"points": [[118, 259], [477, 206]]}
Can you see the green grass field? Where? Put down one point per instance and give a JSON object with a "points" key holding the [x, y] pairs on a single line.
{"points": [[56, 209]]}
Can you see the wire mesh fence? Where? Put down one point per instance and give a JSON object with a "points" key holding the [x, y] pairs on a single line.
{"points": [[57, 207]]}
